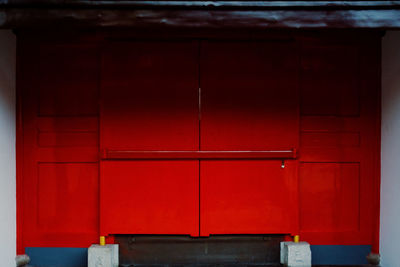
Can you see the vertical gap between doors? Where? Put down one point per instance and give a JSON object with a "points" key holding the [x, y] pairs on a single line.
{"points": [[199, 103]]}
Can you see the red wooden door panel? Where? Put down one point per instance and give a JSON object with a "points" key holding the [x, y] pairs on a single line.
{"points": [[249, 101], [58, 150], [330, 194], [249, 96], [149, 197], [149, 93], [339, 134], [247, 197], [67, 192], [149, 96]]}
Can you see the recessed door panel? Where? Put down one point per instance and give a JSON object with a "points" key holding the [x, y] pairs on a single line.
{"points": [[247, 197], [330, 197], [149, 96], [149, 197], [249, 96]]}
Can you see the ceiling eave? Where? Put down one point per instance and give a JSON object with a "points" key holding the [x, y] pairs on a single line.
{"points": [[200, 14]]}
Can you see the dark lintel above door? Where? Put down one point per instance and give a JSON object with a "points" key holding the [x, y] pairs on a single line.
{"points": [[200, 14]]}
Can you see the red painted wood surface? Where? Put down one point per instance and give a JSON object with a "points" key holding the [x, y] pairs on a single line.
{"points": [[149, 96], [339, 142], [149, 101], [233, 111], [58, 187], [124, 103], [149, 197], [244, 86], [247, 197]]}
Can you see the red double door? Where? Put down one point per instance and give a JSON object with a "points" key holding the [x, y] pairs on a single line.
{"points": [[185, 132]]}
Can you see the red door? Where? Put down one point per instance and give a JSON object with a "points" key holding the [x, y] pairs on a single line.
{"points": [[248, 103], [153, 110], [149, 102]]}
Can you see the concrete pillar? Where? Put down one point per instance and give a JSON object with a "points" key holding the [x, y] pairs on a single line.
{"points": [[390, 154], [295, 254], [103, 256], [7, 149]]}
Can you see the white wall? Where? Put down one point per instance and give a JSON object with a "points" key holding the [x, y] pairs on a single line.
{"points": [[390, 185], [7, 149]]}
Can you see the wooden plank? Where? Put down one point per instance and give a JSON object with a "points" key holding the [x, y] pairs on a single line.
{"points": [[207, 4], [160, 18]]}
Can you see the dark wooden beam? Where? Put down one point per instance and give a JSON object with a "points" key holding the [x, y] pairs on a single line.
{"points": [[215, 5], [200, 14]]}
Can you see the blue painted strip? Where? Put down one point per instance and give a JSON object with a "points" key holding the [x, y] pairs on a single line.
{"points": [[339, 255], [57, 257], [77, 257]]}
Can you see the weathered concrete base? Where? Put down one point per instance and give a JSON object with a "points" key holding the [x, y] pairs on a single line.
{"points": [[22, 260], [296, 254], [103, 256], [374, 259]]}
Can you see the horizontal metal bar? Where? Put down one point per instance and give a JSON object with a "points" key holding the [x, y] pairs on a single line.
{"points": [[266, 154]]}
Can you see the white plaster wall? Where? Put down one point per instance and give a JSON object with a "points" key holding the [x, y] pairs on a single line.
{"points": [[7, 149], [390, 173]]}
